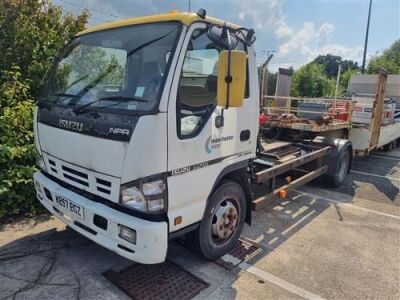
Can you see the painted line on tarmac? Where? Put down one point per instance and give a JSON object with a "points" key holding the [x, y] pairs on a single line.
{"points": [[375, 175], [386, 157], [349, 205], [294, 289], [285, 232]]}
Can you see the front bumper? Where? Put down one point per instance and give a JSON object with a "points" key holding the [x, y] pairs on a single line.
{"points": [[151, 237]]}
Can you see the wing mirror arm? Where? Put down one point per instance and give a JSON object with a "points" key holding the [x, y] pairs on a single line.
{"points": [[219, 120], [228, 78], [232, 70]]}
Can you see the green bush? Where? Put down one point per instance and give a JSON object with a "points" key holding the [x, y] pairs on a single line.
{"points": [[31, 32], [17, 153]]}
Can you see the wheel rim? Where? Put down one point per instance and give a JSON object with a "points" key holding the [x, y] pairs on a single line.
{"points": [[343, 168], [224, 221]]}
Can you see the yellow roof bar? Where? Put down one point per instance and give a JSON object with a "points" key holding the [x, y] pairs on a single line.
{"points": [[183, 17]]}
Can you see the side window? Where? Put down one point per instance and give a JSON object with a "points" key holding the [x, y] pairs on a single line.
{"points": [[197, 90]]}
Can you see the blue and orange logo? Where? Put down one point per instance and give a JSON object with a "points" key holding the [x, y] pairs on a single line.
{"points": [[208, 145], [213, 143]]}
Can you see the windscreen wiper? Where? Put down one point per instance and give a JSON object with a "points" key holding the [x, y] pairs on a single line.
{"points": [[95, 82], [78, 80], [41, 102], [66, 95], [119, 99], [130, 53]]}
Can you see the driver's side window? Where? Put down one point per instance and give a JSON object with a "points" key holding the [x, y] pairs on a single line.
{"points": [[197, 91]]}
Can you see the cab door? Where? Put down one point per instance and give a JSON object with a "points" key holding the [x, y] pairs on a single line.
{"points": [[198, 150]]}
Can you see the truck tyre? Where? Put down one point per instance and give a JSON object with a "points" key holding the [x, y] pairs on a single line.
{"points": [[222, 223], [341, 170], [389, 147]]}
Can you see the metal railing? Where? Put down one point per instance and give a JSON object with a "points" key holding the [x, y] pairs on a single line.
{"points": [[338, 110]]}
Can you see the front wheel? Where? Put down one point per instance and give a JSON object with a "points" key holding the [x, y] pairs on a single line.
{"points": [[222, 223]]}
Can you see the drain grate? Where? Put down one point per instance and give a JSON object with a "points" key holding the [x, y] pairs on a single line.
{"points": [[243, 251], [161, 281]]}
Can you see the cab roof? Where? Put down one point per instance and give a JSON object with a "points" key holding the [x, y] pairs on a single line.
{"points": [[183, 17]]}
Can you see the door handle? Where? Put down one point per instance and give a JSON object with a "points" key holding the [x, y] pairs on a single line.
{"points": [[244, 135]]}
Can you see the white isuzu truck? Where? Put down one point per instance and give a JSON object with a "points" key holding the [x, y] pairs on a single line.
{"points": [[148, 129]]}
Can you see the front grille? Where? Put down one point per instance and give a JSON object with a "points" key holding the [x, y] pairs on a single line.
{"points": [[103, 186], [81, 182], [75, 172], [103, 182], [96, 183], [52, 165]]}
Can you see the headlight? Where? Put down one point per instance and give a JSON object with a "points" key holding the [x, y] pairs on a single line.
{"points": [[40, 162], [146, 195], [134, 198], [153, 188], [155, 205]]}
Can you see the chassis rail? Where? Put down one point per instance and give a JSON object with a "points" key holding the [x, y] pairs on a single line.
{"points": [[267, 174], [270, 173]]}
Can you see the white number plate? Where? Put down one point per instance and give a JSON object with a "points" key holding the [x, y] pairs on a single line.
{"points": [[70, 207]]}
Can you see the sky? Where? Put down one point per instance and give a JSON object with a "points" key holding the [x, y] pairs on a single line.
{"points": [[297, 30]]}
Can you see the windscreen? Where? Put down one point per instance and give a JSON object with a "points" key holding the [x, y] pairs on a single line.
{"points": [[119, 70]]}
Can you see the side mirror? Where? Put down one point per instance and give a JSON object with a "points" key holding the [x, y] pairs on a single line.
{"points": [[222, 37], [230, 91]]}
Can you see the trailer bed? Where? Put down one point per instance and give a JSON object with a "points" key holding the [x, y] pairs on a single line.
{"points": [[361, 137], [312, 126], [290, 113]]}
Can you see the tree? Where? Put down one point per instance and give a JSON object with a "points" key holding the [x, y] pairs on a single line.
{"points": [[310, 81], [345, 77], [389, 60], [31, 33], [271, 83], [331, 64]]}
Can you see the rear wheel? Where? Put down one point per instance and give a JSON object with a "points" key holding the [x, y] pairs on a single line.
{"points": [[222, 223], [389, 147], [341, 170]]}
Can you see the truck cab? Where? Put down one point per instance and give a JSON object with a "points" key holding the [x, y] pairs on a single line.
{"points": [[134, 145]]}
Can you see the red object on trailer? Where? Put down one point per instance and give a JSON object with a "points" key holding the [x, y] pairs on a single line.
{"points": [[342, 108], [262, 119]]}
